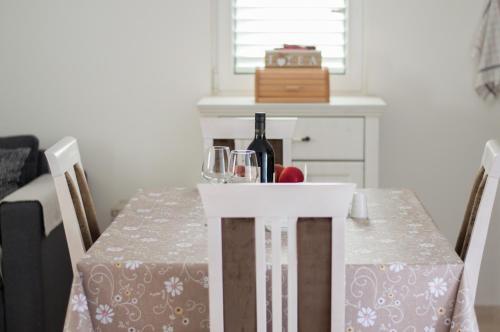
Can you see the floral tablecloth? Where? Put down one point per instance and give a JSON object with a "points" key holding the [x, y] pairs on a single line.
{"points": [[148, 270]]}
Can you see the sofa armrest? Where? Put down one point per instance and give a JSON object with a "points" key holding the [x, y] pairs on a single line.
{"points": [[43, 191], [34, 254], [36, 269], [21, 234]]}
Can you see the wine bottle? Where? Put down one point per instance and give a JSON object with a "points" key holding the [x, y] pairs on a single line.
{"points": [[263, 149]]}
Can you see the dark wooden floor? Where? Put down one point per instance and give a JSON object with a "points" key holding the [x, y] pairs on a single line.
{"points": [[489, 318]]}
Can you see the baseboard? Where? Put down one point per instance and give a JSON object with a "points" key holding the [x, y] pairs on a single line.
{"points": [[488, 317]]}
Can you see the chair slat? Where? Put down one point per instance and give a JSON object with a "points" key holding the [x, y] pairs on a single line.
{"points": [[278, 145], [88, 202], [468, 211], [238, 265], [338, 274], [472, 217], [80, 212], [314, 256], [224, 142], [260, 268], [215, 274], [276, 275], [292, 274], [478, 237]]}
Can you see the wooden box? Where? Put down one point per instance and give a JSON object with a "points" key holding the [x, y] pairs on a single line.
{"points": [[293, 58], [292, 85]]}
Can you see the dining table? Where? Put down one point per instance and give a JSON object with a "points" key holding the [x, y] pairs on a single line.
{"points": [[148, 271]]}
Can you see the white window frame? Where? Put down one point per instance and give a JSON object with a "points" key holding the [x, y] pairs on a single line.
{"points": [[225, 81]]}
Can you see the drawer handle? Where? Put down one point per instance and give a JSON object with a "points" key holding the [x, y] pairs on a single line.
{"points": [[303, 139], [292, 88]]}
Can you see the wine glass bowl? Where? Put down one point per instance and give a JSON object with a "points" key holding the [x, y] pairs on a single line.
{"points": [[243, 167], [215, 164]]}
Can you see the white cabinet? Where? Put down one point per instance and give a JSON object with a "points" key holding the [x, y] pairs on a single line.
{"points": [[328, 138], [339, 141]]}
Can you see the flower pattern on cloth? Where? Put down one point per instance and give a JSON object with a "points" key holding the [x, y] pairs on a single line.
{"points": [[79, 303], [438, 287], [397, 267], [367, 317], [104, 314], [132, 265], [149, 270], [174, 286], [168, 328]]}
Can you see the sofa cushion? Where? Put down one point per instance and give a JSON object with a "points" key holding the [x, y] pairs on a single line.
{"points": [[30, 168], [11, 165]]}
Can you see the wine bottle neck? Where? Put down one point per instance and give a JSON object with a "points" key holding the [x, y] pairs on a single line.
{"points": [[260, 125], [260, 134]]}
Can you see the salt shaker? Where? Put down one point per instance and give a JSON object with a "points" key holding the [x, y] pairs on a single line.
{"points": [[359, 209]]}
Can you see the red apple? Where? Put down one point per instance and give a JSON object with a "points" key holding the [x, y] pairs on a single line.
{"points": [[291, 175], [240, 170], [278, 168]]}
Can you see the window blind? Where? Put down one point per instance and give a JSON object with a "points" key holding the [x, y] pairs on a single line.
{"points": [[260, 25]]}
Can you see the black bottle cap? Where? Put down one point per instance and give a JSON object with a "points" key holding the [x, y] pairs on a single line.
{"points": [[260, 117], [260, 120]]}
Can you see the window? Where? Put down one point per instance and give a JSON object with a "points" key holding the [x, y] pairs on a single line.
{"points": [[260, 25], [245, 29]]}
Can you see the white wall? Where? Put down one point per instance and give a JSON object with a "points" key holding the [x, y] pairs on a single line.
{"points": [[418, 58], [123, 77]]}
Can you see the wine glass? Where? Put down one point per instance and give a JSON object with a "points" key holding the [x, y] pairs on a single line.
{"points": [[243, 166], [215, 165]]}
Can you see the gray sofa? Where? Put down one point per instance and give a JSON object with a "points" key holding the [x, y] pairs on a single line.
{"points": [[36, 268]]}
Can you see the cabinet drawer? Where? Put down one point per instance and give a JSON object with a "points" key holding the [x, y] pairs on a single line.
{"points": [[326, 171], [292, 85], [329, 139], [286, 89]]}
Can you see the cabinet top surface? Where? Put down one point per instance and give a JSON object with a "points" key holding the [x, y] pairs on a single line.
{"points": [[338, 105]]}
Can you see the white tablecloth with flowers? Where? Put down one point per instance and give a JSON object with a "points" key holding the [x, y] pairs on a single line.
{"points": [[148, 270]]}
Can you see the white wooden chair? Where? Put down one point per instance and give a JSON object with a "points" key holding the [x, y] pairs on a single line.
{"points": [[472, 237], [242, 130], [257, 204], [75, 201]]}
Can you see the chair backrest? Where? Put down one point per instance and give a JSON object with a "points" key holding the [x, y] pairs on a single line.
{"points": [[75, 201], [237, 133], [237, 214], [472, 237]]}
